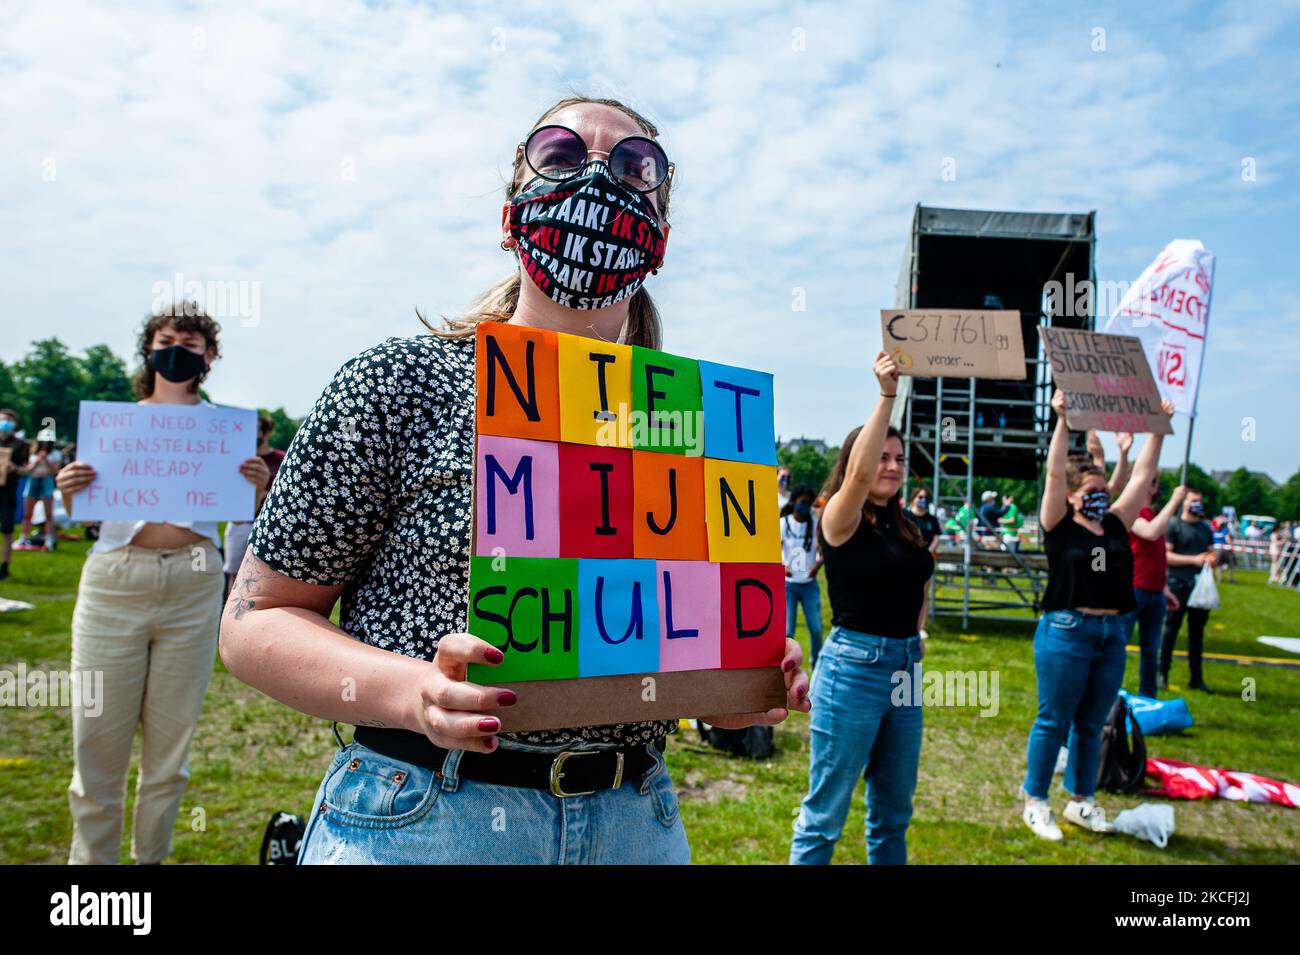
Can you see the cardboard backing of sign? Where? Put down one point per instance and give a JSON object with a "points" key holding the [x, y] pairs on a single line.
{"points": [[954, 342], [1107, 381], [5, 455], [630, 698]]}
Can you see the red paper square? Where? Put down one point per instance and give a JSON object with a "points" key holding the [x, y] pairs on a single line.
{"points": [[760, 589], [595, 501]]}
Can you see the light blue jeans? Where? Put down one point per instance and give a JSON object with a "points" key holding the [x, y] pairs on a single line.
{"points": [[374, 810], [857, 731], [809, 596], [1079, 659]]}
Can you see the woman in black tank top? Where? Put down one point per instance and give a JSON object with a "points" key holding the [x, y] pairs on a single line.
{"points": [[877, 568], [1079, 646]]}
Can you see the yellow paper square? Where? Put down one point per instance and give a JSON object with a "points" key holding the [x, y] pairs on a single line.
{"points": [[588, 416], [742, 512]]}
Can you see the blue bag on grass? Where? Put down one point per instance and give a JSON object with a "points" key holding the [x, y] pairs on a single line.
{"points": [[1158, 716]]}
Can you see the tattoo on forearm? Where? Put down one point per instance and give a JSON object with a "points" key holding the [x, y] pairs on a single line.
{"points": [[246, 588], [380, 724]]}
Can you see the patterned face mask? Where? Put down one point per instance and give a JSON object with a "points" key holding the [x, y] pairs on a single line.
{"points": [[587, 242], [1095, 505]]}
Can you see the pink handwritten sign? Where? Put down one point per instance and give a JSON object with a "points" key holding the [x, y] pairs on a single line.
{"points": [[165, 462]]}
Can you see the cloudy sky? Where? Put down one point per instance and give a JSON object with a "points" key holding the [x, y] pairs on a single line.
{"points": [[344, 163]]}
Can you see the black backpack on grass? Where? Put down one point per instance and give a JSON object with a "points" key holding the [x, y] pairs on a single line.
{"points": [[753, 742], [283, 837], [1123, 764]]}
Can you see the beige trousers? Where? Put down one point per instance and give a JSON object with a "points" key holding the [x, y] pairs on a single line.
{"points": [[147, 620]]}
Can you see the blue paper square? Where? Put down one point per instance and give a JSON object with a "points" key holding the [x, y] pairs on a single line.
{"points": [[738, 414]]}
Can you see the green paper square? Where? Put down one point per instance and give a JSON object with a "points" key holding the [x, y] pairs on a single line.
{"points": [[522, 581], [681, 402]]}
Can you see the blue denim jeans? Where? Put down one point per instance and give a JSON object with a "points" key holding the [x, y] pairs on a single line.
{"points": [[374, 810], [1150, 619], [808, 595], [857, 731], [1079, 659]]}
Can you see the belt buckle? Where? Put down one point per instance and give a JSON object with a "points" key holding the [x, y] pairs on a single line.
{"points": [[557, 772]]}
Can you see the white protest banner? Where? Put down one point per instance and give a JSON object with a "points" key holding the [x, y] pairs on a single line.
{"points": [[165, 462], [1168, 308]]}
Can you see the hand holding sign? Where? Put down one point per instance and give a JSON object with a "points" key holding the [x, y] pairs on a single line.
{"points": [[796, 691], [454, 713], [887, 374]]}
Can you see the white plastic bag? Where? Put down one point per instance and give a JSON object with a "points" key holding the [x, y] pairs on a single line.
{"points": [[1205, 594], [1153, 822]]}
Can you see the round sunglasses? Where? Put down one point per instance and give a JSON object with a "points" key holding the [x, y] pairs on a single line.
{"points": [[558, 153]]}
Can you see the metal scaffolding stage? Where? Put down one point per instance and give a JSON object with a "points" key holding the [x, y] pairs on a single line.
{"points": [[959, 430]]}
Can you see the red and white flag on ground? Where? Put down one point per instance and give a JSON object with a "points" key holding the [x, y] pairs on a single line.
{"points": [[1179, 780], [1168, 308]]}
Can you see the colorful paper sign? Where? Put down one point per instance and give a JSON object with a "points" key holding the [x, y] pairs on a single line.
{"points": [[625, 529], [158, 462]]}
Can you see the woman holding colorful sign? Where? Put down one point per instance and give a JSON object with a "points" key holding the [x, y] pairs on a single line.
{"points": [[1088, 605], [147, 616], [375, 503], [877, 569]]}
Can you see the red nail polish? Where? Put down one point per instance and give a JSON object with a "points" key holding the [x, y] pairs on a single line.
{"points": [[789, 665], [801, 692], [491, 744], [493, 655], [489, 725], [507, 698]]}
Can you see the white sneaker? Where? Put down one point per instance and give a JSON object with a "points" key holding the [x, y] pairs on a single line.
{"points": [[1086, 814], [1038, 817]]}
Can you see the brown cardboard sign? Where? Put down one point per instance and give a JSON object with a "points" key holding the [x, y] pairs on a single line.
{"points": [[5, 455], [601, 700], [1107, 381], [954, 342]]}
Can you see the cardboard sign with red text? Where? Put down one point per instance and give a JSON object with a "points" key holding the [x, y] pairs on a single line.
{"points": [[1107, 381]]}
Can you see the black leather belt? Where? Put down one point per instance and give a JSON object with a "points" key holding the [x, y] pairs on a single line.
{"points": [[570, 773]]}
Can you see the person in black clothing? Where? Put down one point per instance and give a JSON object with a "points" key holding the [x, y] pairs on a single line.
{"points": [[877, 568], [1079, 646], [925, 521], [1190, 543]]}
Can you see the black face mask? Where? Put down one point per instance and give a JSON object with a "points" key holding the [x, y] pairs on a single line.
{"points": [[587, 242], [177, 363], [1095, 505], [1196, 509], [803, 509]]}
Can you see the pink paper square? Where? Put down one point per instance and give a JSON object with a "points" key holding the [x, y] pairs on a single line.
{"points": [[505, 517], [689, 596]]}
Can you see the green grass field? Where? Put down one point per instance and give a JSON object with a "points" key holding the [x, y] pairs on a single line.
{"points": [[252, 756]]}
